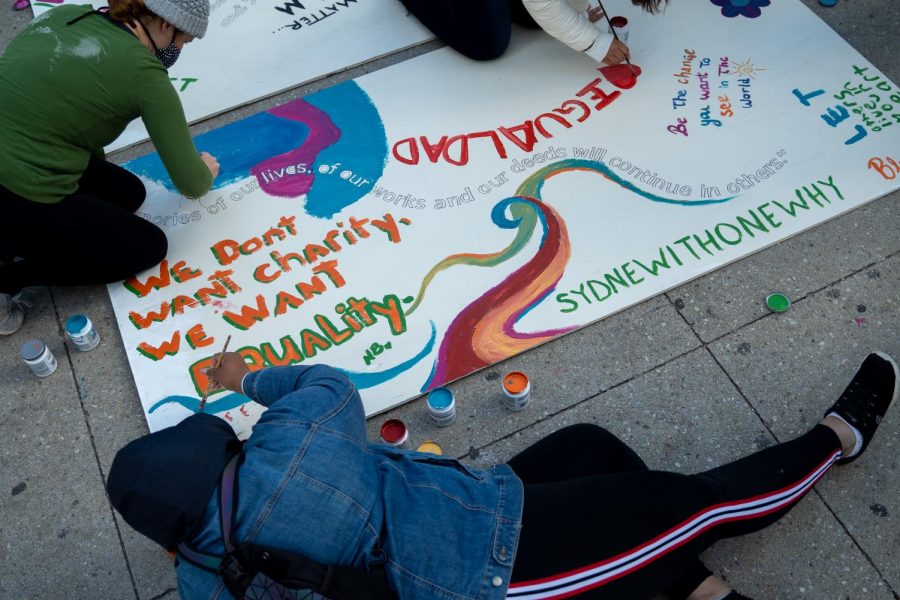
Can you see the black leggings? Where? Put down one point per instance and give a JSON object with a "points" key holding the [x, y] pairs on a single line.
{"points": [[597, 522], [89, 237], [479, 29]]}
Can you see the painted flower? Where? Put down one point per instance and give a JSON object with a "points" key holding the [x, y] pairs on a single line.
{"points": [[748, 8]]}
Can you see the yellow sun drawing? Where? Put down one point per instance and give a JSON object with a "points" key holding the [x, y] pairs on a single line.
{"points": [[746, 69]]}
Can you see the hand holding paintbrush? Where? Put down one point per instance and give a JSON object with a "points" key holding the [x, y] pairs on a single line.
{"points": [[209, 383], [616, 36], [228, 372]]}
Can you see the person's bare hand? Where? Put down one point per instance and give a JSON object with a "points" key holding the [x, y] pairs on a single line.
{"points": [[230, 374], [617, 53], [211, 163], [595, 14]]}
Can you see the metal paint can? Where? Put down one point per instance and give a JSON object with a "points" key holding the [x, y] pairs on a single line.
{"points": [[620, 26], [38, 357], [430, 447], [778, 303], [394, 433], [82, 333], [516, 389], [441, 406]]}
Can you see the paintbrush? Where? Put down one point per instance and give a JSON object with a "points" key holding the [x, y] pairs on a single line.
{"points": [[615, 35], [218, 364]]}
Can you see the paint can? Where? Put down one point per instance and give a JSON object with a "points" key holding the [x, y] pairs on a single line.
{"points": [[430, 447], [394, 433], [778, 303], [38, 357], [516, 389], [620, 25], [441, 406], [82, 333]]}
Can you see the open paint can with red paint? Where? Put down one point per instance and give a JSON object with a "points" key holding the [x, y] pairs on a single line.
{"points": [[620, 26], [516, 389], [394, 433]]}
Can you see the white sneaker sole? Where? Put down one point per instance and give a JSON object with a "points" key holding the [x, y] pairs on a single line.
{"points": [[891, 360]]}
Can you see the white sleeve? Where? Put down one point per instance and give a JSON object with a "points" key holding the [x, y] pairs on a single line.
{"points": [[569, 24]]}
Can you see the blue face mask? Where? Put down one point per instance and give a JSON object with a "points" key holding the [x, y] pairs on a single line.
{"points": [[168, 55]]}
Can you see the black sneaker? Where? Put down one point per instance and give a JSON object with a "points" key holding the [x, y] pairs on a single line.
{"points": [[868, 397]]}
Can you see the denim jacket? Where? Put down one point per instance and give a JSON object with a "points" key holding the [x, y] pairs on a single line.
{"points": [[311, 482]]}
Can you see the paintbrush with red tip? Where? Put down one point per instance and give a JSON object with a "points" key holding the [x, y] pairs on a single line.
{"points": [[615, 35]]}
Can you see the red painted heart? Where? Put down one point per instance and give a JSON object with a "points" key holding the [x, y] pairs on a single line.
{"points": [[622, 76]]}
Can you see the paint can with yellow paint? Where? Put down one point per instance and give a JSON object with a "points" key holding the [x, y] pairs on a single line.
{"points": [[430, 447]]}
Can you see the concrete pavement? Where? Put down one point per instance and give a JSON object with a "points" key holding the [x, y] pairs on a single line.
{"points": [[692, 378]]}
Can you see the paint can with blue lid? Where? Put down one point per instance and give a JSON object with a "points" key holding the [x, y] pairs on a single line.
{"points": [[38, 357], [441, 406], [82, 333]]}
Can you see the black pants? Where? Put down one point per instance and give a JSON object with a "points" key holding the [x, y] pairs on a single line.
{"points": [[89, 237], [597, 522], [479, 29]]}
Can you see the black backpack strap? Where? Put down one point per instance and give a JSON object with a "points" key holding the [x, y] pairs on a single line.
{"points": [[223, 565], [234, 572], [103, 12], [295, 571], [228, 495], [87, 14], [207, 562]]}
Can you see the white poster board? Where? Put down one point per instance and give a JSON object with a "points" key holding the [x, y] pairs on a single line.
{"points": [[253, 50], [435, 217]]}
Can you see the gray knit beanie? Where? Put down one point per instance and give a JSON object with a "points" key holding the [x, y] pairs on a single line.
{"points": [[189, 16]]}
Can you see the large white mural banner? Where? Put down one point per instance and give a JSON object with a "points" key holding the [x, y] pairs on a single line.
{"points": [[253, 49], [438, 216]]}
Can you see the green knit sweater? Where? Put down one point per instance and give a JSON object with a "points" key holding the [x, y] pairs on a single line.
{"points": [[66, 91]]}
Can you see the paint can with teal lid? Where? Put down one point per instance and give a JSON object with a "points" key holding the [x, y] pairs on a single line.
{"points": [[441, 406], [38, 357], [82, 333]]}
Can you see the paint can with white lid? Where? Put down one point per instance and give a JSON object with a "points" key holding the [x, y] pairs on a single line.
{"points": [[38, 357], [81, 331], [441, 406]]}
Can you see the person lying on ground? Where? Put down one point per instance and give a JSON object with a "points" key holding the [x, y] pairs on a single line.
{"points": [[70, 83], [576, 514]]}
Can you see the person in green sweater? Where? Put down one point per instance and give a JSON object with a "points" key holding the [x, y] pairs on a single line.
{"points": [[70, 83]]}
